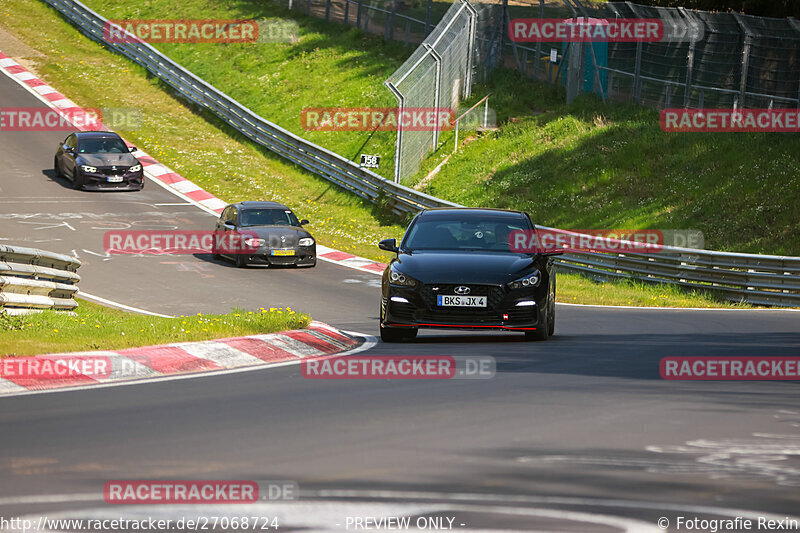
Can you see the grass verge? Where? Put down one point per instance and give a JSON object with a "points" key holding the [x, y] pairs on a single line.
{"points": [[94, 327]]}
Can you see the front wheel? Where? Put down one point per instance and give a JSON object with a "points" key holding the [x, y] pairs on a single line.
{"points": [[241, 261], [57, 168], [390, 334], [542, 328]]}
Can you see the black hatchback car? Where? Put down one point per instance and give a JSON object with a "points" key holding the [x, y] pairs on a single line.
{"points": [[455, 269], [98, 161], [278, 238]]}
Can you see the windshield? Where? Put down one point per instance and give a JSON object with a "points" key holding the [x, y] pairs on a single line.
{"points": [[464, 233], [267, 217], [102, 146]]}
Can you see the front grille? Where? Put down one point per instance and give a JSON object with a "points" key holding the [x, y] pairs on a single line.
{"points": [[108, 172]]}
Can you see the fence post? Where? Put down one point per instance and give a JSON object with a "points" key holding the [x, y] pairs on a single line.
{"points": [[538, 44], [473, 21], [358, 13], [366, 21], [399, 143], [327, 9], [308, 8], [428, 18], [689, 58], [346, 12], [437, 88], [390, 22], [748, 42], [796, 25], [637, 72]]}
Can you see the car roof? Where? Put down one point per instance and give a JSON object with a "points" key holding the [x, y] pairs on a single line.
{"points": [[97, 135], [255, 204], [443, 211]]}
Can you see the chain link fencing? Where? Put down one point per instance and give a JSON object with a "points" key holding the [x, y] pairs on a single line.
{"points": [[709, 60]]}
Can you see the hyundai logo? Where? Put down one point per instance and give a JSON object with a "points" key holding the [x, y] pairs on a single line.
{"points": [[462, 290]]}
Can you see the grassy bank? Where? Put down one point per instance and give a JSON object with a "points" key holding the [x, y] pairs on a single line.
{"points": [[592, 166], [94, 327]]}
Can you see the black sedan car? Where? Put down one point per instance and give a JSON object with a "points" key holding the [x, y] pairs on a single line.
{"points": [[98, 161], [273, 233], [455, 269]]}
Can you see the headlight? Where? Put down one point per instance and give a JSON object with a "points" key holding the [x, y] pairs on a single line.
{"points": [[305, 241], [398, 278], [531, 280], [254, 243], [135, 168], [87, 168]]}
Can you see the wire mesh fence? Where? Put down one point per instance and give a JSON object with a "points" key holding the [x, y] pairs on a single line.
{"points": [[437, 75], [713, 60]]}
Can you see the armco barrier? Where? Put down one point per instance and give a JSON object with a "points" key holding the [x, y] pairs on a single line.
{"points": [[33, 279], [757, 279]]}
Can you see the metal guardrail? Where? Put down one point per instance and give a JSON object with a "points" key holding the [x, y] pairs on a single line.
{"points": [[756, 279], [333, 167], [33, 279], [752, 278]]}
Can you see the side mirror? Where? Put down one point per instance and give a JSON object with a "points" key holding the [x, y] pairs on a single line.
{"points": [[133, 149], [390, 245], [230, 223], [69, 150], [304, 222]]}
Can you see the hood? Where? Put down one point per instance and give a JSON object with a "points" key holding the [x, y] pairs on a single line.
{"points": [[107, 160], [465, 267], [273, 234]]}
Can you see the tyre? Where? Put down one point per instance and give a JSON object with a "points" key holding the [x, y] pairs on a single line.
{"points": [[389, 334], [77, 180], [241, 261], [551, 329], [57, 168], [542, 329]]}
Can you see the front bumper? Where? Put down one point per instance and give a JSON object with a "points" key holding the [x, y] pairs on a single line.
{"points": [[303, 255], [131, 181], [502, 312]]}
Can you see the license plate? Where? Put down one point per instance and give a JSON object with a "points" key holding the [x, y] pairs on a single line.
{"points": [[446, 300], [282, 252], [114, 179]]}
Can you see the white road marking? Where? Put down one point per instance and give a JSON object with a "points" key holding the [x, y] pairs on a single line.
{"points": [[118, 305]]}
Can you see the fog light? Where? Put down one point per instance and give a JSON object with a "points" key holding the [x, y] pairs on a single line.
{"points": [[399, 299], [525, 303]]}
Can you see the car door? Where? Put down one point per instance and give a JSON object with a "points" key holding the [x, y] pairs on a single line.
{"points": [[229, 214], [67, 155]]}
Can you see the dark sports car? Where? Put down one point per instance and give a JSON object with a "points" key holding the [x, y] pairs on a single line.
{"points": [[98, 161], [278, 237], [456, 269]]}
